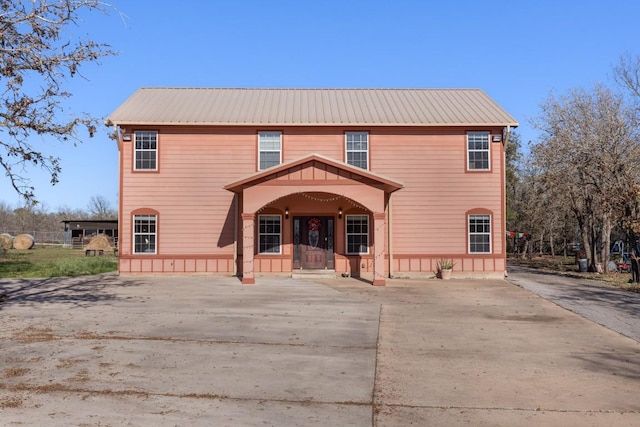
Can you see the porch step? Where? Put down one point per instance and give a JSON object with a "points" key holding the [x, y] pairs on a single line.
{"points": [[313, 274]]}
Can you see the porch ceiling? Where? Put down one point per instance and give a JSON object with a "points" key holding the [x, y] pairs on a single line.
{"points": [[331, 170]]}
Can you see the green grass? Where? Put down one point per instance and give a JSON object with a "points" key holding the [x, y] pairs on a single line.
{"points": [[53, 262]]}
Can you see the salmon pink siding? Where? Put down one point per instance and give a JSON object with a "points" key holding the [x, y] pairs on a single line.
{"points": [[196, 216], [200, 222], [430, 213], [429, 217], [299, 142]]}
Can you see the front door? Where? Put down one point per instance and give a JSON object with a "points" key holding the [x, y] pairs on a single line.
{"points": [[313, 242]]}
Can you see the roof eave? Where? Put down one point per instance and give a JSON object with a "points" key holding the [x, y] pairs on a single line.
{"points": [[259, 124]]}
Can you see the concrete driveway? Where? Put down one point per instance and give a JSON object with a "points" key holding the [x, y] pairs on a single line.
{"points": [[209, 351], [617, 309]]}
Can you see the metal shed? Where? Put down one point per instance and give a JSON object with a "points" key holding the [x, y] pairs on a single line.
{"points": [[79, 232]]}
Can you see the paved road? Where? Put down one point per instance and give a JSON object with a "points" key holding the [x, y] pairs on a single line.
{"points": [[613, 308]]}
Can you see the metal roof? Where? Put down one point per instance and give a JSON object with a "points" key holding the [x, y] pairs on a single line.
{"points": [[92, 223], [305, 107]]}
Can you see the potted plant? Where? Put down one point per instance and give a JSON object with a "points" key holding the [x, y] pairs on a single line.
{"points": [[444, 267]]}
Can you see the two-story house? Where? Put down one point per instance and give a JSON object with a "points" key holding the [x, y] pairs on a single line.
{"points": [[374, 183]]}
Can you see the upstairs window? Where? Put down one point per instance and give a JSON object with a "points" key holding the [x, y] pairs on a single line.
{"points": [[480, 234], [146, 150], [357, 148], [478, 151], [269, 149]]}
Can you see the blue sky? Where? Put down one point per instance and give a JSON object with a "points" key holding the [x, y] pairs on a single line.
{"points": [[517, 52]]}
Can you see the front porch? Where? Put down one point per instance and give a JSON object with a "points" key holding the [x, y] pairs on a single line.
{"points": [[313, 214]]}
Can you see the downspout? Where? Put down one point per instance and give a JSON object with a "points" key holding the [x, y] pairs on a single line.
{"points": [[504, 195], [235, 234], [116, 135], [389, 236]]}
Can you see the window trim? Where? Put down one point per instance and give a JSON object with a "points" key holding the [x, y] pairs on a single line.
{"points": [[468, 151], [136, 150], [279, 234], [480, 213], [144, 213], [264, 132], [347, 151], [347, 234]]}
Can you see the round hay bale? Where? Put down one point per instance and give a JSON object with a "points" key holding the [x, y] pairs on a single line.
{"points": [[100, 242], [6, 241], [23, 241]]}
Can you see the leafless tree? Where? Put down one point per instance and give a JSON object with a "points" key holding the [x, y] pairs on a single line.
{"points": [[513, 157], [100, 208], [589, 158], [538, 212], [627, 74], [37, 55]]}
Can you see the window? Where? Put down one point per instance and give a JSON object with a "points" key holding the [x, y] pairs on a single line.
{"points": [[269, 149], [480, 234], [146, 150], [144, 234], [357, 234], [357, 145], [478, 150], [269, 234]]}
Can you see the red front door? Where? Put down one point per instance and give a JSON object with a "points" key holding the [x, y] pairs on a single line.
{"points": [[313, 242]]}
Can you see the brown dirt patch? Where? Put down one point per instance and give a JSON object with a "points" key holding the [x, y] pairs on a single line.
{"points": [[81, 377], [11, 402], [15, 372], [67, 363], [34, 334]]}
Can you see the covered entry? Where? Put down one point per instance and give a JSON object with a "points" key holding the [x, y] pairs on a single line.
{"points": [[304, 201]]}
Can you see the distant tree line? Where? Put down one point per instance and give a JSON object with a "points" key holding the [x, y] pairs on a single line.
{"points": [[38, 221], [579, 186]]}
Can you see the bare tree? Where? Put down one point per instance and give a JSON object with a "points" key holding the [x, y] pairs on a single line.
{"points": [[627, 74], [589, 157], [37, 55], [100, 208], [513, 158], [539, 211], [6, 216]]}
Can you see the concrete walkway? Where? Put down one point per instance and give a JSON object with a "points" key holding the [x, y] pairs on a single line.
{"points": [[193, 351]]}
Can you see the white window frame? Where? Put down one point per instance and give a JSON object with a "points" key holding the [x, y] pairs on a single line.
{"points": [[139, 151], [265, 233], [262, 138], [151, 237], [348, 234], [352, 150], [483, 138], [472, 229]]}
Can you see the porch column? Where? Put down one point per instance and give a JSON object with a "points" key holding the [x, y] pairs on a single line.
{"points": [[378, 249], [248, 221]]}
